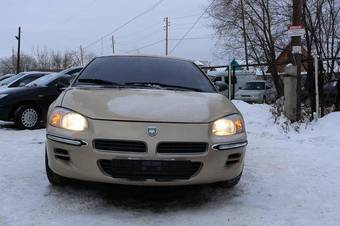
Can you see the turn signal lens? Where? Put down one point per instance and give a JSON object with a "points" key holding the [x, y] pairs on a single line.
{"points": [[66, 119], [228, 126]]}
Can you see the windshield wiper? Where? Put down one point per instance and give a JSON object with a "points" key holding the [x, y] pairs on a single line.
{"points": [[161, 85], [99, 82]]}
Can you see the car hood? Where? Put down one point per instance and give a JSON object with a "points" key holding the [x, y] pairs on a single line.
{"points": [[149, 105], [249, 92]]}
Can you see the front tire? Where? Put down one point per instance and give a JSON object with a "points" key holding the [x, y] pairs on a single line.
{"points": [[27, 117], [52, 177]]}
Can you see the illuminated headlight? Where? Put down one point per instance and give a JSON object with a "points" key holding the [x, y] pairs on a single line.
{"points": [[228, 126], [66, 119], [3, 95]]}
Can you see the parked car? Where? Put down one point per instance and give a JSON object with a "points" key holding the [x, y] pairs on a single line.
{"points": [[330, 92], [2, 77], [143, 120], [21, 79], [27, 106], [240, 79], [257, 91]]}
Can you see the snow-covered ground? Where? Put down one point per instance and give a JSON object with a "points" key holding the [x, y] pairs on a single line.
{"points": [[289, 179]]}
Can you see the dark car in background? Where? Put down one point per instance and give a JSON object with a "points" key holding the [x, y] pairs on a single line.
{"points": [[330, 92], [21, 79], [27, 105]]}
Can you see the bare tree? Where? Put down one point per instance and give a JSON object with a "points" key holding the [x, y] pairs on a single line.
{"points": [[322, 26], [265, 26], [8, 64], [43, 58]]}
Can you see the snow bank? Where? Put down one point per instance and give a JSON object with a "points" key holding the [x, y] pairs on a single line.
{"points": [[259, 120], [289, 179]]}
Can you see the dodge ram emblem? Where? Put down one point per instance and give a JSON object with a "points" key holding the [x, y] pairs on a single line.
{"points": [[152, 131]]}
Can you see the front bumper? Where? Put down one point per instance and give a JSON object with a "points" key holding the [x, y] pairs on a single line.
{"points": [[5, 112], [81, 160], [250, 99]]}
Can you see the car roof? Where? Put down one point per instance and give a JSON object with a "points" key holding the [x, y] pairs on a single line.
{"points": [[36, 72], [70, 69], [147, 56]]}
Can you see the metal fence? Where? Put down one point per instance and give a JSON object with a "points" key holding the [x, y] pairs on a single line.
{"points": [[319, 83]]}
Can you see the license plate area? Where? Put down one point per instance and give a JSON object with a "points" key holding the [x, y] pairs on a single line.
{"points": [[153, 169]]}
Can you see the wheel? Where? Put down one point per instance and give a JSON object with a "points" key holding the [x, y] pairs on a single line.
{"points": [[230, 183], [27, 117], [52, 177]]}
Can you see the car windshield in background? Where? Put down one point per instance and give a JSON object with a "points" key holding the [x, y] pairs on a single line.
{"points": [[11, 79], [254, 86], [144, 72], [45, 80]]}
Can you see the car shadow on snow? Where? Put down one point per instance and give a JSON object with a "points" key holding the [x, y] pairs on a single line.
{"points": [[149, 199], [12, 126], [8, 125]]}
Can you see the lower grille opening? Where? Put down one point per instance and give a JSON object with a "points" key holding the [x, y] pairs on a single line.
{"points": [[233, 158], [150, 169], [62, 154]]}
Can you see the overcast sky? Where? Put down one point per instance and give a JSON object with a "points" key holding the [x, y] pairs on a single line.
{"points": [[67, 24]]}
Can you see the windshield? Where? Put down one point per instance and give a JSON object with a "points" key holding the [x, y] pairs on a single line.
{"points": [[144, 72], [254, 86], [45, 80], [11, 79]]}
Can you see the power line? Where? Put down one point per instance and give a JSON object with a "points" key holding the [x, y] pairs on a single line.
{"points": [[126, 23], [192, 27], [184, 17], [136, 36], [147, 45], [162, 40], [192, 38]]}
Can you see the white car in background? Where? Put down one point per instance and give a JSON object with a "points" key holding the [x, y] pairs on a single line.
{"points": [[258, 91]]}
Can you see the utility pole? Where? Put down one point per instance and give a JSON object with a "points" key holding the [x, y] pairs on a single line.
{"points": [[113, 45], [81, 56], [166, 19], [316, 75], [244, 35], [297, 53], [13, 59], [18, 37]]}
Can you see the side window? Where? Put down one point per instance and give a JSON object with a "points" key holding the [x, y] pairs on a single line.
{"points": [[63, 80], [74, 72], [24, 81]]}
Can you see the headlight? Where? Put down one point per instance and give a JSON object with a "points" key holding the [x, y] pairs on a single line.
{"points": [[3, 95], [66, 119], [228, 126]]}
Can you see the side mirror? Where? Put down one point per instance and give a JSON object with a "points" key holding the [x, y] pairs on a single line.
{"points": [[221, 86]]}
